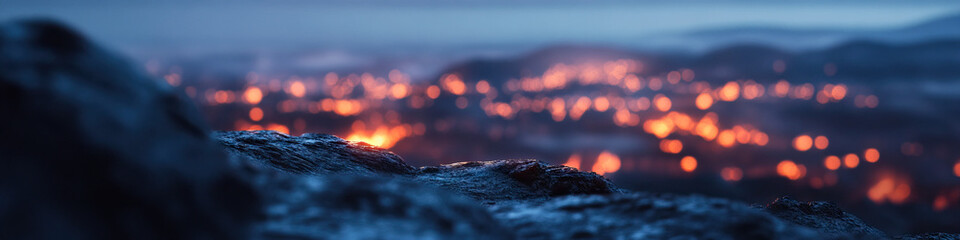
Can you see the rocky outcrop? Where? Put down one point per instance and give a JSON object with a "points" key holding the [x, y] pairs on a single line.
{"points": [[528, 199], [91, 148], [313, 153]]}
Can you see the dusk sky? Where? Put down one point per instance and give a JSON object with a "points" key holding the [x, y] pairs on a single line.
{"points": [[371, 24]]}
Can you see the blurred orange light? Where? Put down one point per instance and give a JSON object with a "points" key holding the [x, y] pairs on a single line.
{"points": [[789, 169], [671, 146], [483, 86], [851, 160], [606, 163], [821, 142], [399, 90], [573, 161], [704, 101], [688, 164], [256, 114], [729, 92], [433, 92], [662, 102], [802, 143], [279, 128], [253, 95], [727, 138], [731, 174], [601, 104], [871, 155], [297, 89], [956, 169], [832, 162]]}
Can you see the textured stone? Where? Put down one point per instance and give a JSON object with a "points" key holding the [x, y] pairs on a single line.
{"points": [[823, 216]]}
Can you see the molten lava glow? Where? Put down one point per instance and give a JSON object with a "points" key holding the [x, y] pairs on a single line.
{"points": [[671, 146], [731, 174], [821, 142], [297, 89], [688, 164], [727, 138], [791, 170], [730, 92], [890, 189], [383, 136], [256, 114], [831, 162], [606, 163], [253, 95], [573, 161], [871, 155], [851, 160], [802, 143], [662, 102], [278, 128], [704, 101]]}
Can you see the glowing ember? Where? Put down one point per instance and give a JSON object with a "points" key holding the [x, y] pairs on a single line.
{"points": [[606, 163], [688, 164]]}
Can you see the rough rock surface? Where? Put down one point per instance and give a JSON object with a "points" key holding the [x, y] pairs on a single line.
{"points": [[533, 200], [824, 216], [91, 148], [313, 153]]}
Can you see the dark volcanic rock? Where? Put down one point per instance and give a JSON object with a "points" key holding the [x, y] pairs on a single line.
{"points": [[823, 216], [931, 236], [313, 153], [92, 148], [345, 207], [515, 179], [645, 216]]}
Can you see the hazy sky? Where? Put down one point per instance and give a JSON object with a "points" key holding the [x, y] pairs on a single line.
{"points": [[364, 24]]}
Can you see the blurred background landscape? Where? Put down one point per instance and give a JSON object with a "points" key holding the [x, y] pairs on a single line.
{"points": [[854, 102]]}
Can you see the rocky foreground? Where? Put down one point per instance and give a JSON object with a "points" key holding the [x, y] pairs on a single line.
{"points": [[92, 148]]}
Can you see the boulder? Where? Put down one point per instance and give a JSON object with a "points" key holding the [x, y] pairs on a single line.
{"points": [[93, 148]]}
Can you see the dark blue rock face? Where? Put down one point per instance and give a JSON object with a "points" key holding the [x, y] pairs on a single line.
{"points": [[91, 148]]}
